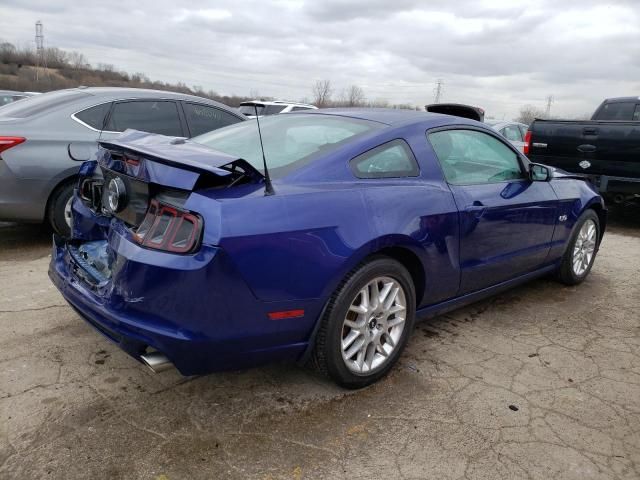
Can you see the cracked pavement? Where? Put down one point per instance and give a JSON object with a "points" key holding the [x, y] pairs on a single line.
{"points": [[541, 382]]}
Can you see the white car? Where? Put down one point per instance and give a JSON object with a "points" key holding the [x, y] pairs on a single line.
{"points": [[512, 131], [272, 107]]}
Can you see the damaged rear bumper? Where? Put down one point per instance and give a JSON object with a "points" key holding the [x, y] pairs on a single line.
{"points": [[195, 309]]}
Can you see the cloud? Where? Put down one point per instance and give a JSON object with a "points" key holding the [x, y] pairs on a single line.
{"points": [[498, 54]]}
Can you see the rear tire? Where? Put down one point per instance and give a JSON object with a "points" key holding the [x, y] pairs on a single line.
{"points": [[59, 212], [581, 250], [366, 324]]}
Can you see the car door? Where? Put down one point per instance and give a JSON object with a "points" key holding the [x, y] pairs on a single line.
{"points": [[506, 220]]}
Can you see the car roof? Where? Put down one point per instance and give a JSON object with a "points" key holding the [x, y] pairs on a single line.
{"points": [[128, 92], [621, 99], [13, 92], [389, 116], [83, 97]]}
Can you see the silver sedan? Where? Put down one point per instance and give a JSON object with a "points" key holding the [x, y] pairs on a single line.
{"points": [[43, 138], [512, 131]]}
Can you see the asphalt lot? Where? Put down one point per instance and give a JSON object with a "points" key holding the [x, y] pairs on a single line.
{"points": [[540, 382]]}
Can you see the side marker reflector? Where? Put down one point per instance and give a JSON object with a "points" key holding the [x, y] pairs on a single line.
{"points": [[286, 314]]}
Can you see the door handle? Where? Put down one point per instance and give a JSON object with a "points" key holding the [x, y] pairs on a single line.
{"points": [[587, 148], [476, 208], [590, 131]]}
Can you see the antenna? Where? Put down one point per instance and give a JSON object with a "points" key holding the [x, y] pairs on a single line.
{"points": [[268, 188]]}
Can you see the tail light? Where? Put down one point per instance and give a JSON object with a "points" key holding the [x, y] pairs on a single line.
{"points": [[527, 142], [7, 142], [167, 228]]}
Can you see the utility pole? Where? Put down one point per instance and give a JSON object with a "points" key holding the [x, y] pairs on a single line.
{"points": [[438, 90], [549, 102]]}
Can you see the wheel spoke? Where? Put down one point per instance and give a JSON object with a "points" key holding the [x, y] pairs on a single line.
{"points": [[359, 309], [391, 298], [389, 339], [384, 293], [356, 347], [375, 295], [395, 322], [350, 338], [370, 355]]}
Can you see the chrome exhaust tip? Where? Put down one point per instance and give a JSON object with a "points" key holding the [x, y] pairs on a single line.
{"points": [[156, 361]]}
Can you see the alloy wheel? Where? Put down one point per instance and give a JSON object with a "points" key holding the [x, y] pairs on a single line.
{"points": [[373, 326], [584, 247]]}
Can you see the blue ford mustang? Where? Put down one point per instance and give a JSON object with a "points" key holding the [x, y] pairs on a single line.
{"points": [[376, 217]]}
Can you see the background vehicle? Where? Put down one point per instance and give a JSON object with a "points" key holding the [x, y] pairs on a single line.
{"points": [[513, 131], [10, 96], [606, 149], [41, 137], [377, 216], [272, 107]]}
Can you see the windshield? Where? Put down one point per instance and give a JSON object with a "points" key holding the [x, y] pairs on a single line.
{"points": [[290, 141], [40, 103], [250, 110]]}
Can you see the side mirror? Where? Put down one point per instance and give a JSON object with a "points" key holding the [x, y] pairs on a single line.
{"points": [[539, 173]]}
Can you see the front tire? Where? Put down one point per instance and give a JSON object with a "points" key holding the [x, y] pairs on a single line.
{"points": [[59, 213], [366, 324], [581, 250]]}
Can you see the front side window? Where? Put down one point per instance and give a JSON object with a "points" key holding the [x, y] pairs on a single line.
{"points": [[470, 157], [94, 116], [390, 160], [153, 116], [290, 141], [204, 118], [636, 114]]}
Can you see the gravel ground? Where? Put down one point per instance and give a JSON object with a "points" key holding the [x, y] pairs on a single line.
{"points": [[540, 382]]}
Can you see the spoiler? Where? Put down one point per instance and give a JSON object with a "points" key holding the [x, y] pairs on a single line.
{"points": [[180, 152]]}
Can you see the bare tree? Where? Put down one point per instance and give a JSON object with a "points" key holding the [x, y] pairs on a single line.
{"points": [[354, 96], [528, 113], [77, 60], [321, 91]]}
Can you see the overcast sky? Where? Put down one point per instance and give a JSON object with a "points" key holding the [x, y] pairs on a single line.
{"points": [[498, 54]]}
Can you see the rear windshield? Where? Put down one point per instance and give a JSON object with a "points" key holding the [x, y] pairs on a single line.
{"points": [[290, 141], [616, 111], [40, 103]]}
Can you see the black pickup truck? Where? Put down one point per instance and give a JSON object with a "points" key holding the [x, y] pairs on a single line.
{"points": [[606, 149]]}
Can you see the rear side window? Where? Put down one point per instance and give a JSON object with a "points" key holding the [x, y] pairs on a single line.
{"points": [[636, 114], [298, 109], [623, 111], [204, 118], [390, 160], [512, 133], [472, 157], [94, 116], [153, 116], [39, 104]]}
